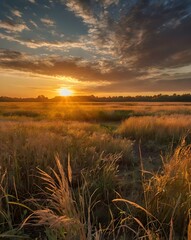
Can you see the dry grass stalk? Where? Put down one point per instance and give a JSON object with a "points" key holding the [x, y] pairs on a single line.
{"points": [[61, 212]]}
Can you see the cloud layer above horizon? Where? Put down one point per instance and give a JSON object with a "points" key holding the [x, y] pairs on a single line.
{"points": [[95, 46]]}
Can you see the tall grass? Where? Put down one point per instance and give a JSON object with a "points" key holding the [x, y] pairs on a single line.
{"points": [[23, 147], [10, 207], [96, 164], [160, 129], [169, 193], [95, 156], [165, 211], [60, 213], [68, 214]]}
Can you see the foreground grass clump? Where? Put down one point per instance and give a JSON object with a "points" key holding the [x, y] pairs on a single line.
{"points": [[60, 215], [165, 211], [160, 129], [65, 213], [169, 194]]}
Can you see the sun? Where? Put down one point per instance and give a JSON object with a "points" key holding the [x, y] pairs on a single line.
{"points": [[64, 92]]}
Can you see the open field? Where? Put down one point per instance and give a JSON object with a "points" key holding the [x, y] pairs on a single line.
{"points": [[95, 171], [90, 111]]}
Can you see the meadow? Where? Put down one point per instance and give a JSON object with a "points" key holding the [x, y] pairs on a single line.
{"points": [[93, 171]]}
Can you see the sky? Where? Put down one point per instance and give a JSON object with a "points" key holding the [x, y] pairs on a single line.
{"points": [[95, 47]]}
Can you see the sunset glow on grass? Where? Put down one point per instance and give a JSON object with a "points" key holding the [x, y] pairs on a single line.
{"points": [[65, 92]]}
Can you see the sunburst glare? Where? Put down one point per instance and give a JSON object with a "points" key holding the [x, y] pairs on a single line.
{"points": [[65, 92]]}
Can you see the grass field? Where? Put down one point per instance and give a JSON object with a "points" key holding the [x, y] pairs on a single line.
{"points": [[95, 171]]}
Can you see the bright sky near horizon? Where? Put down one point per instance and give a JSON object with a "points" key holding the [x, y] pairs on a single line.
{"points": [[100, 47]]}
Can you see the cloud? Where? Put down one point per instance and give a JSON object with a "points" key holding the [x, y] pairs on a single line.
{"points": [[33, 23], [65, 45], [59, 66], [47, 21], [96, 16], [109, 2], [88, 9], [172, 85], [82, 9], [142, 34], [50, 45], [6, 54], [32, 1], [52, 66], [153, 33], [16, 13], [92, 74], [135, 86], [12, 26]]}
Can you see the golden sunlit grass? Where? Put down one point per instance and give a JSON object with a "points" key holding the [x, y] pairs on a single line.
{"points": [[165, 211], [65, 92], [93, 152], [102, 163], [157, 128], [105, 112]]}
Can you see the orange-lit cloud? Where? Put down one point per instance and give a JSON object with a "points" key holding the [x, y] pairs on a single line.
{"points": [[47, 21], [13, 27]]}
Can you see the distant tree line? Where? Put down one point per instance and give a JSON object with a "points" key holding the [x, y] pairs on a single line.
{"points": [[92, 98]]}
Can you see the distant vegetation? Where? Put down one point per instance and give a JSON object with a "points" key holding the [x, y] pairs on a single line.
{"points": [[92, 98]]}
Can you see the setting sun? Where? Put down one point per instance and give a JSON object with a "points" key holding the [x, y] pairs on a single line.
{"points": [[65, 92]]}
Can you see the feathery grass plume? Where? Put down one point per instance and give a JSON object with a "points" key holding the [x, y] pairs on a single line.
{"points": [[61, 216], [61, 213], [69, 215]]}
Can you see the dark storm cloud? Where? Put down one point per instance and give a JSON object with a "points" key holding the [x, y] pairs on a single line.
{"points": [[146, 86], [142, 33], [155, 31], [173, 85]]}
